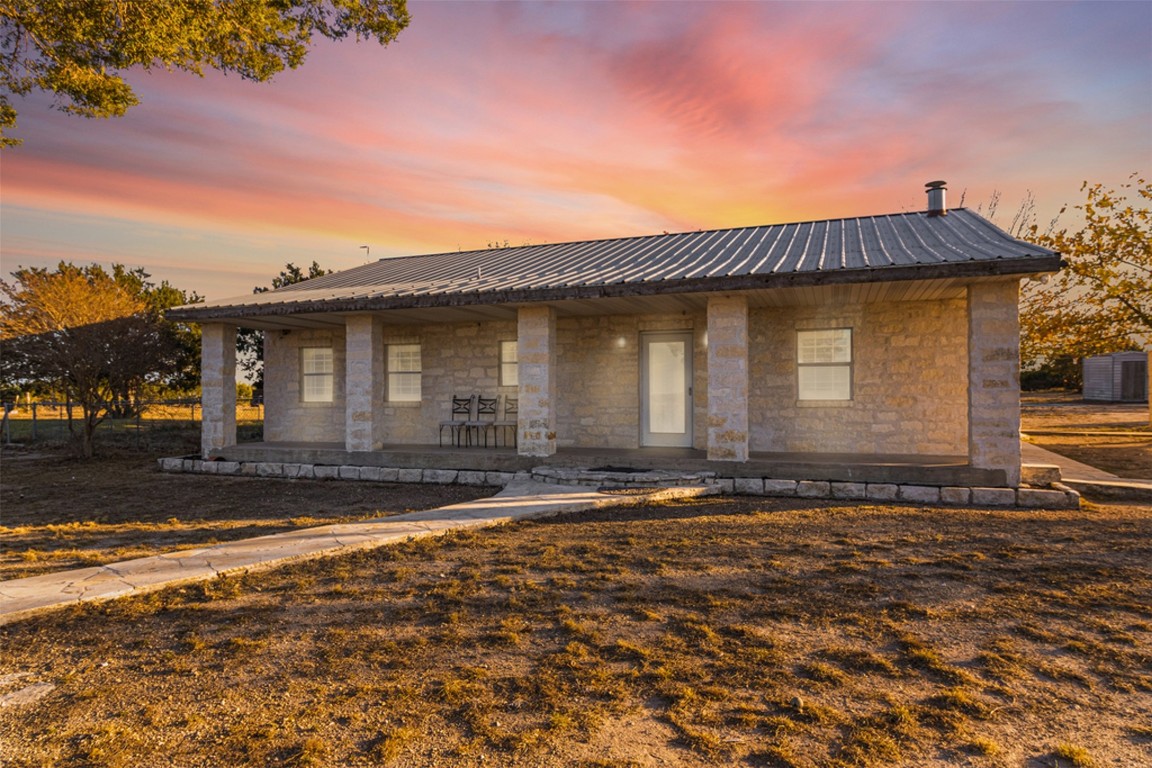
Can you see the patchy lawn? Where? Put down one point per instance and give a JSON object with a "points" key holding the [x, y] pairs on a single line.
{"points": [[60, 513], [1128, 453], [717, 632]]}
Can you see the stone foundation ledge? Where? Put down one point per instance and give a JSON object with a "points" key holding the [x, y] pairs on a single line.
{"points": [[1057, 496], [331, 472], [639, 479]]}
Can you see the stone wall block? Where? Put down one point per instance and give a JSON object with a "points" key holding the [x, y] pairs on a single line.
{"points": [[406, 475], [994, 497], [955, 495], [849, 490], [814, 489], [779, 487], [749, 486], [1044, 498], [922, 494], [440, 476], [883, 491]]}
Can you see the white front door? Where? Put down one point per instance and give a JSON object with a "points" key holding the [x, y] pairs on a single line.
{"points": [[666, 389]]}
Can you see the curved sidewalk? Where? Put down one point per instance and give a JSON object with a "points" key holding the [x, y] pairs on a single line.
{"points": [[520, 500], [1087, 479]]}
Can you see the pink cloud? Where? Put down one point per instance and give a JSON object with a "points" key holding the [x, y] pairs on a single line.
{"points": [[563, 121]]}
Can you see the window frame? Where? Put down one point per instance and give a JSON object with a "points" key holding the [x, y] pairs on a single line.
{"points": [[325, 394], [394, 375], [512, 365], [847, 365]]}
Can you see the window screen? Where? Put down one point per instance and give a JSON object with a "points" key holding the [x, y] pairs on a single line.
{"points": [[316, 369], [824, 364], [509, 365], [404, 373]]}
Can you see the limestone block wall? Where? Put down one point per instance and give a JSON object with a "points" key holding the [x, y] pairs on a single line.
{"points": [[910, 374], [598, 377], [456, 359], [286, 416]]}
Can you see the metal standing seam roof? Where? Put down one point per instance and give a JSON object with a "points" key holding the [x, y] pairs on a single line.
{"points": [[866, 249]]}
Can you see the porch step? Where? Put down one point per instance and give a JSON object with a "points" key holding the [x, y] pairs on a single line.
{"points": [[623, 477]]}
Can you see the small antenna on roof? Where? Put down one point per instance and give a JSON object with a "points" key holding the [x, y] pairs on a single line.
{"points": [[367, 252]]}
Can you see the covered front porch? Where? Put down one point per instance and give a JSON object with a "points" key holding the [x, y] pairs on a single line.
{"points": [[933, 398]]}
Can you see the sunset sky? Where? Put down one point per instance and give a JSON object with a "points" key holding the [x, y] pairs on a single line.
{"points": [[543, 122]]}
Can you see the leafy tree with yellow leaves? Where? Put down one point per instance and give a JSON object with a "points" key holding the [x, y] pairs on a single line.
{"points": [[95, 335], [77, 49], [1102, 300]]}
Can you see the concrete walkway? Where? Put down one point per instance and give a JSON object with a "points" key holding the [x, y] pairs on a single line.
{"points": [[521, 500], [1086, 479]]}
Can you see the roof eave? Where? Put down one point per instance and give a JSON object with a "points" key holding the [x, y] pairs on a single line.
{"points": [[1020, 266]]}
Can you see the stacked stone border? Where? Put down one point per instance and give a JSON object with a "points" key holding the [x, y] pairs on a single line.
{"points": [[1055, 496]]}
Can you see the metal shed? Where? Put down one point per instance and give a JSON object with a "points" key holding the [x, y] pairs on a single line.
{"points": [[1118, 377]]}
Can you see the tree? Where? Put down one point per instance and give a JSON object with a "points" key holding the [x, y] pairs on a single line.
{"points": [[76, 49], [96, 336], [1102, 301], [185, 375], [250, 341]]}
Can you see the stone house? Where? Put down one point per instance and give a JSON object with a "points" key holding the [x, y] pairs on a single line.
{"points": [[879, 348]]}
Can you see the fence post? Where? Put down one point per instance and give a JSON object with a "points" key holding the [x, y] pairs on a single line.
{"points": [[34, 422], [7, 424]]}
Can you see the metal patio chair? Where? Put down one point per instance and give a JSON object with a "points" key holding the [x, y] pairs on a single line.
{"points": [[461, 414], [508, 424], [483, 421]]}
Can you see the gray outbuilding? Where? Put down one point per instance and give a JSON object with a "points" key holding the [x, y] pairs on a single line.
{"points": [[1121, 377]]}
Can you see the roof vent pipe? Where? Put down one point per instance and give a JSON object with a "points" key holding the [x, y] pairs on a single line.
{"points": [[936, 204]]}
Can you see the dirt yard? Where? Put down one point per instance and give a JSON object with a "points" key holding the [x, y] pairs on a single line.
{"points": [[723, 632], [1058, 422], [733, 632], [57, 513]]}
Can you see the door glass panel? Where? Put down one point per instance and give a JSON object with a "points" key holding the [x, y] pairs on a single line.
{"points": [[667, 389]]}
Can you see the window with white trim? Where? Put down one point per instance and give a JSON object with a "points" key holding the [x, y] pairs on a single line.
{"points": [[404, 373], [316, 374], [509, 364], [824, 364]]}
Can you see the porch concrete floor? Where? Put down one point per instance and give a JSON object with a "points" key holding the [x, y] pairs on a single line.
{"points": [[849, 467]]}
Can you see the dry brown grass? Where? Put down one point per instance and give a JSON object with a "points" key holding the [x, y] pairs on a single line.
{"points": [[57, 513], [722, 631], [1128, 453]]}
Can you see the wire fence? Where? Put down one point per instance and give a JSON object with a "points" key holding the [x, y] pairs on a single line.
{"points": [[49, 421]]}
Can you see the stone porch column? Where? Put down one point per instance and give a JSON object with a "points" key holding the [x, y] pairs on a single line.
{"points": [[363, 383], [727, 378], [217, 387], [536, 347], [994, 377]]}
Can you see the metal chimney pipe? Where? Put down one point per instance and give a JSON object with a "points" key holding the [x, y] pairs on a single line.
{"points": [[936, 202]]}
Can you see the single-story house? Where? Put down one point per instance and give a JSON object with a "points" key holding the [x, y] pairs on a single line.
{"points": [[1119, 377], [882, 346]]}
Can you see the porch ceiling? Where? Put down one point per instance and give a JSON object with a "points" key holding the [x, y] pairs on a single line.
{"points": [[814, 295]]}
